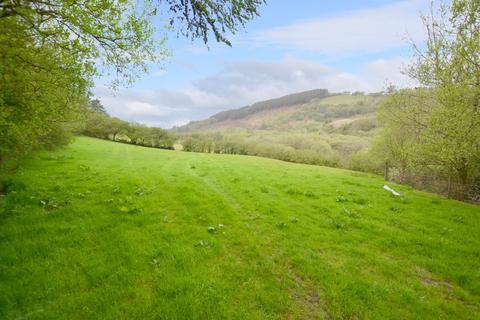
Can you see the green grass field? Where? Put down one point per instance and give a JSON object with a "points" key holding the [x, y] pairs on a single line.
{"points": [[103, 230]]}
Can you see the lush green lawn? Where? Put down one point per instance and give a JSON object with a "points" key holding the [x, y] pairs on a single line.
{"points": [[104, 230]]}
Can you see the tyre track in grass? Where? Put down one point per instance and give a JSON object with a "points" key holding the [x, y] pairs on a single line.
{"points": [[232, 203]]}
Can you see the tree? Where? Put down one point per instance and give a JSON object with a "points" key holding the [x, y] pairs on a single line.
{"points": [[117, 126], [120, 34], [438, 124], [196, 19], [97, 125], [50, 51], [40, 91], [95, 105]]}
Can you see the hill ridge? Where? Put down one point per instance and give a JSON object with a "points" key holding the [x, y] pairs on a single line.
{"points": [[288, 100]]}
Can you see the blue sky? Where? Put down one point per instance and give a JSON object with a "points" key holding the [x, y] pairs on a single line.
{"points": [[292, 46]]}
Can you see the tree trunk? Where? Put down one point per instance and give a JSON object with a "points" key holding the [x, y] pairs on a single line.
{"points": [[449, 186], [386, 174]]}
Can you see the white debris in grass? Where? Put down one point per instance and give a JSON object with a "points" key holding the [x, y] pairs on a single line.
{"points": [[395, 193]]}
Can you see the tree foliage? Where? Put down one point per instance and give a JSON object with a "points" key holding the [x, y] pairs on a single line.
{"points": [[113, 34], [435, 129], [40, 91], [197, 19], [51, 50]]}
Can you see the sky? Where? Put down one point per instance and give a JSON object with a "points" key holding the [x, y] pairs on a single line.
{"points": [[293, 46]]}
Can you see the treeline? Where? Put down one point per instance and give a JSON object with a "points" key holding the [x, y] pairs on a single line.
{"points": [[293, 150], [97, 123], [289, 100]]}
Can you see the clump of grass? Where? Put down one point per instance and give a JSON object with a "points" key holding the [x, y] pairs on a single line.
{"points": [[340, 198], [445, 230], [52, 203], [352, 213], [395, 209], [58, 187], [309, 194], [321, 208], [140, 191], [211, 229], [458, 219], [202, 244], [128, 205], [253, 216], [155, 263], [338, 224], [281, 225], [264, 189], [84, 167]]}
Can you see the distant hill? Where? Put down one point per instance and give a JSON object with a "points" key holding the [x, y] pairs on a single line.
{"points": [[292, 111], [315, 127]]}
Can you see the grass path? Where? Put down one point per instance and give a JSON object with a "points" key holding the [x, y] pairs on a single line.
{"points": [[103, 230]]}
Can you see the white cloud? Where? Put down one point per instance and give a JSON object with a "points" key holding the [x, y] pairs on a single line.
{"points": [[163, 108], [242, 83], [356, 32], [248, 81], [388, 71], [138, 108]]}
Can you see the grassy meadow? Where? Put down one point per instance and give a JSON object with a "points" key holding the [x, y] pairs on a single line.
{"points": [[104, 230]]}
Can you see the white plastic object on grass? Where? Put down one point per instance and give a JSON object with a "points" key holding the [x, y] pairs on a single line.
{"points": [[395, 193]]}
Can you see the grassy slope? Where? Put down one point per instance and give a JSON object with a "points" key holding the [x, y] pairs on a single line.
{"points": [[298, 241]]}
